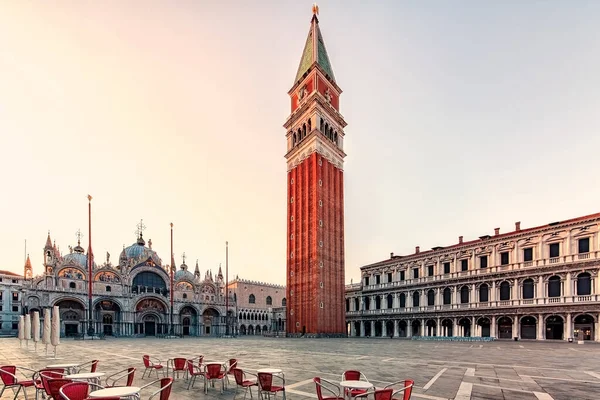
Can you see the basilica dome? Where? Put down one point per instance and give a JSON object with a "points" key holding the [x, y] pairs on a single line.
{"points": [[77, 258], [183, 273], [137, 253]]}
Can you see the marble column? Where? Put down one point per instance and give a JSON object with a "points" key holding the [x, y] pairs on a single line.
{"points": [[569, 327], [396, 328], [383, 328], [493, 332], [362, 328], [372, 329], [540, 327]]}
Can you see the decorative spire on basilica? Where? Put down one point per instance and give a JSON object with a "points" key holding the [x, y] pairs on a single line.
{"points": [[78, 248], [28, 269], [48, 245], [197, 270]]}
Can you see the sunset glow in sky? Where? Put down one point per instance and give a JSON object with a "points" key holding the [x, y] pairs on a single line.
{"points": [[462, 117]]}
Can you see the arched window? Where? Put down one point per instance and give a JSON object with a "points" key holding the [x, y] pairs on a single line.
{"points": [[269, 301], [294, 140], [528, 289], [321, 125], [464, 294], [402, 300], [390, 301], [303, 130], [554, 286], [283, 302], [300, 135], [356, 304], [326, 129], [416, 296], [431, 298], [377, 302], [149, 279], [367, 303], [335, 137], [505, 291], [108, 289], [309, 126], [72, 285], [584, 287], [347, 305], [251, 299], [484, 293], [447, 296]]}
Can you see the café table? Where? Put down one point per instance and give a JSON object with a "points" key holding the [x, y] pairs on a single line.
{"points": [[359, 385], [93, 377]]}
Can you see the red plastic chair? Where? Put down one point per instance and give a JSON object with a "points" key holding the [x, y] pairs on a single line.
{"points": [[8, 375], [323, 384], [265, 384], [178, 364], [151, 365], [111, 380], [241, 381], [53, 387], [193, 372], [213, 372], [406, 390], [46, 373], [354, 375], [102, 398]]}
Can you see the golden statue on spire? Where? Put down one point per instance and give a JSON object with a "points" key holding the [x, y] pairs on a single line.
{"points": [[315, 9]]}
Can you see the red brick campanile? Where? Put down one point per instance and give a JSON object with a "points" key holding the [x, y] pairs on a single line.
{"points": [[315, 201]]}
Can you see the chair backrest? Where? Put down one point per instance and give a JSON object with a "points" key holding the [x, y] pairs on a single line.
{"points": [[351, 375], [190, 366], [7, 374], [200, 359], [406, 390], [75, 391], [265, 380], [130, 375], [179, 364], [317, 381], [213, 370], [166, 384], [50, 373], [383, 394], [232, 363], [54, 385], [238, 374], [146, 359], [94, 365]]}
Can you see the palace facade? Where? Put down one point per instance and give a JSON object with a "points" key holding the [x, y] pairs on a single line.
{"points": [[537, 283], [131, 297], [260, 306]]}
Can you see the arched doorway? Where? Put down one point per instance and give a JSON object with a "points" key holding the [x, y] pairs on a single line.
{"points": [[554, 327], [389, 328], [416, 327], [367, 325], [150, 316], [250, 330], [109, 313], [210, 319], [72, 314], [465, 327], [242, 329], [447, 327], [505, 325], [357, 328], [402, 325], [528, 327], [584, 327], [189, 320], [378, 328], [483, 325]]}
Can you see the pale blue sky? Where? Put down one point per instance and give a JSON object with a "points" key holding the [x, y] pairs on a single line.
{"points": [[462, 116]]}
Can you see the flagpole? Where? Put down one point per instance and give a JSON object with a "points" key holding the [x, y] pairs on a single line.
{"points": [[171, 330], [226, 289], [90, 277]]}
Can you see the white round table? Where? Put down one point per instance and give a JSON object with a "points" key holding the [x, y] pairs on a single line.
{"points": [[361, 385], [270, 371], [67, 366], [120, 391], [94, 377]]}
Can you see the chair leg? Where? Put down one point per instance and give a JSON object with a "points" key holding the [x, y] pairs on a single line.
{"points": [[17, 393]]}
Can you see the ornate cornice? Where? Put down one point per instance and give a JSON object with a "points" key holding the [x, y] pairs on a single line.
{"points": [[315, 144]]}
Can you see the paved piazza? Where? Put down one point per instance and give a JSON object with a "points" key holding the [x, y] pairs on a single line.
{"points": [[441, 370]]}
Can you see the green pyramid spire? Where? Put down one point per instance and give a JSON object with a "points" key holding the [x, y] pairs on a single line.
{"points": [[314, 52]]}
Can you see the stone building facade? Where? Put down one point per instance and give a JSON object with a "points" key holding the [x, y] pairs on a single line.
{"points": [[11, 304], [130, 297], [537, 283], [257, 303], [315, 203]]}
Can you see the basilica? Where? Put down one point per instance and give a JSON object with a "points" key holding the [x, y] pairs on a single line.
{"points": [[131, 297]]}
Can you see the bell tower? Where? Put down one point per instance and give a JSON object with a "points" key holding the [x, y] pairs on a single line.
{"points": [[315, 196]]}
